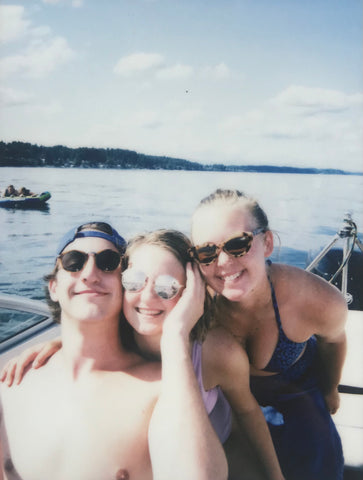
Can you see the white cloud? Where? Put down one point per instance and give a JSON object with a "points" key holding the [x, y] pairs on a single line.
{"points": [[40, 58], [316, 100], [218, 72], [175, 72], [49, 109], [13, 24], [138, 63], [158, 68], [43, 53], [74, 3], [279, 133], [10, 97], [41, 31], [188, 116], [145, 119], [281, 115], [177, 116]]}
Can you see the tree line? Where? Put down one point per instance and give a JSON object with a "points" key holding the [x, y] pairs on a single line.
{"points": [[22, 154]]}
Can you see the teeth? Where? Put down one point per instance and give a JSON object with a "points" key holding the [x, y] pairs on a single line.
{"points": [[232, 277], [145, 311]]}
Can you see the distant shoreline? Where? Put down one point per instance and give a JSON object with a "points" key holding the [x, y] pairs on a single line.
{"points": [[21, 154]]}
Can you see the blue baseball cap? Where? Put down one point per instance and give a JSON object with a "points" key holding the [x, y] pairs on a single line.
{"points": [[91, 229]]}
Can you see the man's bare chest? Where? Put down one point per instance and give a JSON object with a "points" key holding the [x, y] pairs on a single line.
{"points": [[91, 433]]}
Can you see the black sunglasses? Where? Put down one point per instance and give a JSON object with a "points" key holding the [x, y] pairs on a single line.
{"points": [[74, 260], [236, 247]]}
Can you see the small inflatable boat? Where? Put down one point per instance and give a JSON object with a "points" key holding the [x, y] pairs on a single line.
{"points": [[37, 201]]}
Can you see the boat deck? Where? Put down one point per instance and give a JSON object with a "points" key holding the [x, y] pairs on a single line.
{"points": [[349, 418]]}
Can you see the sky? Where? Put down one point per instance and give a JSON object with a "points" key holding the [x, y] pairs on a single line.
{"points": [[272, 82]]}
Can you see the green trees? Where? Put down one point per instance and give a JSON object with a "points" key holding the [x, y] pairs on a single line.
{"points": [[20, 154]]}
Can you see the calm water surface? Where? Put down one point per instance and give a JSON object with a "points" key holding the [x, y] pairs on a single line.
{"points": [[304, 210]]}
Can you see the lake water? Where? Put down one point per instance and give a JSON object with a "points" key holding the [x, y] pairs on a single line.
{"points": [[304, 210]]}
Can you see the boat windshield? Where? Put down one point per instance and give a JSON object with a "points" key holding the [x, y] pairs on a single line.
{"points": [[20, 320], [13, 322]]}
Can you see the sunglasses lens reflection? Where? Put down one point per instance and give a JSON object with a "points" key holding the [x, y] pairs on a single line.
{"points": [[238, 246], [207, 254], [108, 260], [73, 261], [166, 287], [133, 280]]}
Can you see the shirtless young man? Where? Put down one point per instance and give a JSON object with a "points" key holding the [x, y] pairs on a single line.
{"points": [[97, 411]]}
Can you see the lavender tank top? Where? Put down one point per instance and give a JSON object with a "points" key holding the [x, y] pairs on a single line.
{"points": [[216, 404]]}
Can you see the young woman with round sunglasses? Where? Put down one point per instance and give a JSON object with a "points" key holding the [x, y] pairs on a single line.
{"points": [[290, 323], [154, 275]]}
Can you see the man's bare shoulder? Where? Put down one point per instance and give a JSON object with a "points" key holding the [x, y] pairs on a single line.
{"points": [[101, 418], [31, 377], [137, 376]]}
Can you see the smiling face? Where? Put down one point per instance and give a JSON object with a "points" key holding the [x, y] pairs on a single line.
{"points": [[145, 310], [232, 277], [88, 295]]}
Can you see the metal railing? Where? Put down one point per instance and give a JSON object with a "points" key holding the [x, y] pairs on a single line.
{"points": [[348, 234]]}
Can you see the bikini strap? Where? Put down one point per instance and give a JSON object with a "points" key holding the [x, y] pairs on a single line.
{"points": [[273, 296]]}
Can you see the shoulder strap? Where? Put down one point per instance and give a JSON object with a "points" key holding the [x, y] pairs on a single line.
{"points": [[273, 296]]}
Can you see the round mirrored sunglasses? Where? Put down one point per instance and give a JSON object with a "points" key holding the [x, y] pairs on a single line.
{"points": [[165, 286]]}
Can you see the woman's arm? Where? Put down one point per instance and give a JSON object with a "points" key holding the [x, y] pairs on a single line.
{"points": [[183, 444], [330, 319], [1, 462], [36, 356], [225, 363], [321, 310], [331, 357], [2, 475]]}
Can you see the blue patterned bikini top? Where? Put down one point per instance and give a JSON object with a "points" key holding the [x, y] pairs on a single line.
{"points": [[286, 354]]}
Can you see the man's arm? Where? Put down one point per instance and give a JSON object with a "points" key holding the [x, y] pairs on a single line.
{"points": [[183, 443]]}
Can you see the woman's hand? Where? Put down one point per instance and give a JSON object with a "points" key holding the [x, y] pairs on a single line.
{"points": [[332, 400], [36, 356], [190, 306]]}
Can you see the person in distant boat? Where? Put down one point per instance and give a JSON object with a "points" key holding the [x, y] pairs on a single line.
{"points": [[11, 192], [290, 322], [96, 410], [25, 192]]}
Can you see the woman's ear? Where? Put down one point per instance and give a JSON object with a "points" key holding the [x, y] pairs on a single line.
{"points": [[52, 287], [269, 243]]}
